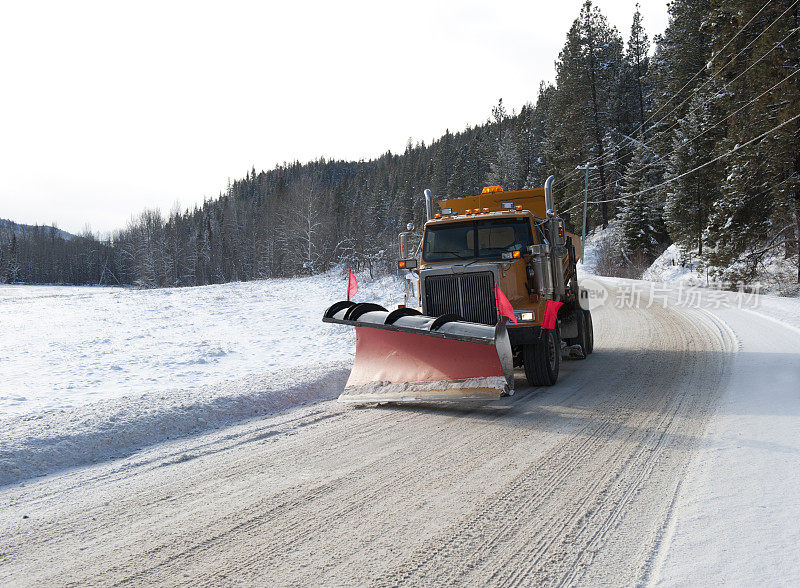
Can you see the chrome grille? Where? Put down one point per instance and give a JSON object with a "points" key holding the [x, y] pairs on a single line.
{"points": [[470, 295]]}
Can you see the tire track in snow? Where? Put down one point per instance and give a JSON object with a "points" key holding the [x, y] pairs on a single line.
{"points": [[483, 537]]}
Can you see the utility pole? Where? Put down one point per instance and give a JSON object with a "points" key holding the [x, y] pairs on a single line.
{"points": [[586, 167]]}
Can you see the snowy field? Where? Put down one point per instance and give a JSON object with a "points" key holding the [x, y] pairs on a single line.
{"points": [[65, 346]]}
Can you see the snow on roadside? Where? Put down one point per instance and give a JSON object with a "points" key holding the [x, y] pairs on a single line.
{"points": [[736, 519], [94, 373], [775, 274], [598, 242], [666, 268], [37, 444]]}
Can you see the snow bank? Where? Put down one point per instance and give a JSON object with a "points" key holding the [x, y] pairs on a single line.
{"points": [[775, 274], [594, 242], [667, 268], [598, 243], [36, 444]]}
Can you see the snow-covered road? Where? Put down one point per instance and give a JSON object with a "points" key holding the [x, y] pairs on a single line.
{"points": [[737, 518], [670, 456]]}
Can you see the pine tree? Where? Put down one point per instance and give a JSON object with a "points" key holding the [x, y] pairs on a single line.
{"points": [[689, 198], [588, 74], [640, 221], [677, 68], [443, 162], [503, 154], [637, 60], [470, 169], [761, 179]]}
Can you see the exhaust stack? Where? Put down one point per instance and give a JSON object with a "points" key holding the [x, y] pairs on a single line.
{"points": [[428, 205], [548, 196]]}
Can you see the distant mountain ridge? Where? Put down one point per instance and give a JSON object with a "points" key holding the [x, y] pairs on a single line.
{"points": [[31, 229]]}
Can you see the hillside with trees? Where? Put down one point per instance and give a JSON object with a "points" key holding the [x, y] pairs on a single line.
{"points": [[692, 138]]}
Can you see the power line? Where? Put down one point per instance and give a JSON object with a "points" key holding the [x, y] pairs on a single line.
{"points": [[726, 154], [713, 75], [698, 72], [707, 129], [719, 71], [699, 167], [676, 123]]}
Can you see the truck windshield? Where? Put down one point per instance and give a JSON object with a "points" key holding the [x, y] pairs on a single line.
{"points": [[477, 238]]}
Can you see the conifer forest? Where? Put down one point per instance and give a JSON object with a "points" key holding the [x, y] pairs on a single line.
{"points": [[691, 137]]}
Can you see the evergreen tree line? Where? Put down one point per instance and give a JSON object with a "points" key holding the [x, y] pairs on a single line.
{"points": [[696, 142]]}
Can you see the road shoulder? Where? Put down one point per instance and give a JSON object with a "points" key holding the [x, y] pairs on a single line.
{"points": [[737, 516]]}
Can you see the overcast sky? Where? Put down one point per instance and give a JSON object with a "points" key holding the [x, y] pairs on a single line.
{"points": [[109, 107]]}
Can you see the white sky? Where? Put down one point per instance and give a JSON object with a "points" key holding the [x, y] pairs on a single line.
{"points": [[109, 107]]}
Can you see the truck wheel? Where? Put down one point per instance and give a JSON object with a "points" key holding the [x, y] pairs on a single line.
{"points": [[583, 333], [543, 359], [587, 322]]}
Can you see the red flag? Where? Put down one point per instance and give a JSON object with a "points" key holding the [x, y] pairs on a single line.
{"points": [[352, 284], [550, 314], [503, 305]]}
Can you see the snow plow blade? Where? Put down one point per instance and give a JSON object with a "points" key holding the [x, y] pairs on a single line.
{"points": [[404, 356]]}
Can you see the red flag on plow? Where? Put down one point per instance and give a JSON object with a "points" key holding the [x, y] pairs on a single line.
{"points": [[352, 284], [503, 305]]}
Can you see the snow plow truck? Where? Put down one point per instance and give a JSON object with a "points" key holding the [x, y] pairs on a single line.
{"points": [[497, 284]]}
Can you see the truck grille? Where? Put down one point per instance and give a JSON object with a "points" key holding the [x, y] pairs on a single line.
{"points": [[471, 296]]}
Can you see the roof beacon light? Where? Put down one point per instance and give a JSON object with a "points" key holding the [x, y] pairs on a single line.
{"points": [[437, 215], [490, 189], [485, 210], [518, 207]]}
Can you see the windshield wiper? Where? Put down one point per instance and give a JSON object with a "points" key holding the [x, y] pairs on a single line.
{"points": [[456, 253]]}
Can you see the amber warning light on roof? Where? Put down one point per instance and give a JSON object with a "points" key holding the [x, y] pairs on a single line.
{"points": [[490, 189]]}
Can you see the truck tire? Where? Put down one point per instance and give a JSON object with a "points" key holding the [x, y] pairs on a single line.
{"points": [[587, 321], [543, 359], [583, 333]]}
